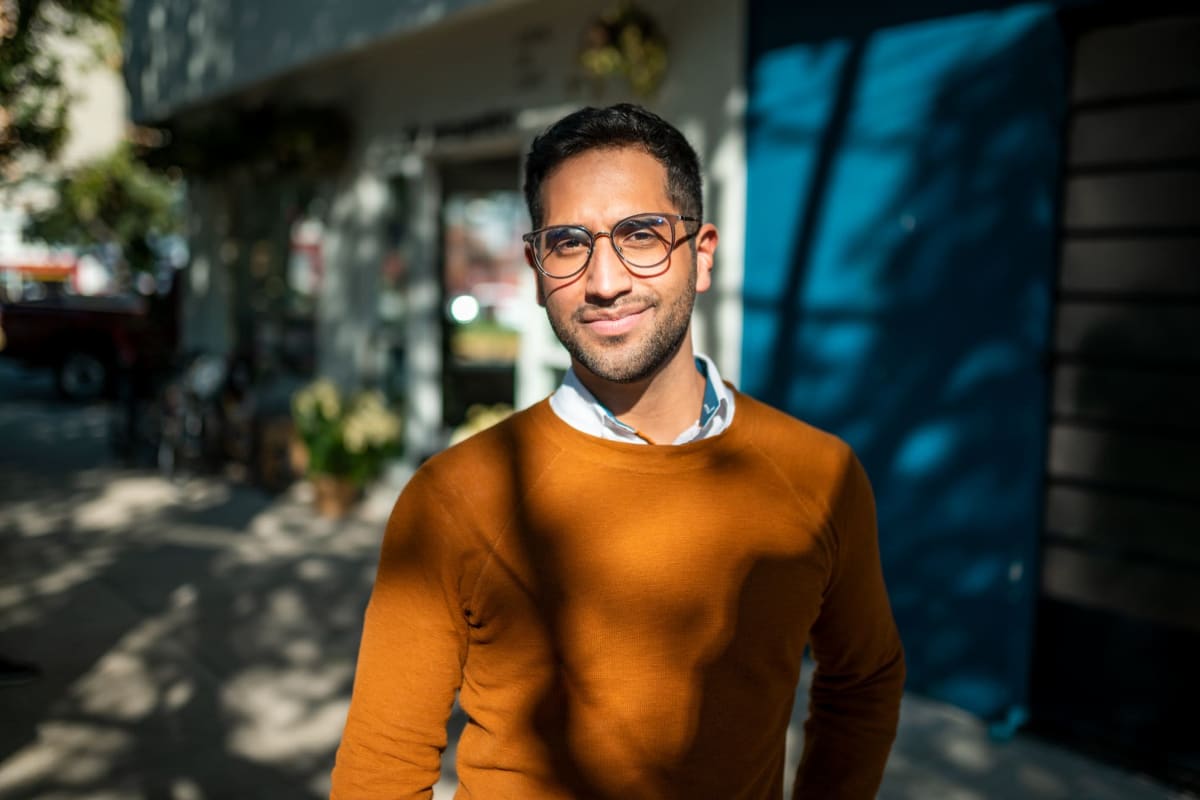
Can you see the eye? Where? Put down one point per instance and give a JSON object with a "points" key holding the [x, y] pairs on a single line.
{"points": [[640, 237], [564, 241], [643, 232], [569, 245]]}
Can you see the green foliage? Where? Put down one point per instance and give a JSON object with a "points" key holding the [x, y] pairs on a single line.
{"points": [[33, 99], [349, 439], [116, 199]]}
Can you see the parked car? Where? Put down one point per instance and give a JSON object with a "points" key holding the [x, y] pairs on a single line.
{"points": [[87, 341]]}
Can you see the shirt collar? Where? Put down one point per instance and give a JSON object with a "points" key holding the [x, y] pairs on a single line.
{"points": [[579, 408], [712, 401]]}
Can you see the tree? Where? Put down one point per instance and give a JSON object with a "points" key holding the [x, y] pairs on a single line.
{"points": [[114, 200], [33, 96]]}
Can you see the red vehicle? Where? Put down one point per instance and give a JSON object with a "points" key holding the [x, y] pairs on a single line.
{"points": [[87, 341]]}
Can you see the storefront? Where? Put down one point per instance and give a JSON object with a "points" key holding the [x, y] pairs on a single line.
{"points": [[403, 252]]}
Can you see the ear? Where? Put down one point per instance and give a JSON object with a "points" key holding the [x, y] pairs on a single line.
{"points": [[706, 248], [537, 277]]}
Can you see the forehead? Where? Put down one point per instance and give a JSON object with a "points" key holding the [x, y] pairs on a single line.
{"points": [[599, 186]]}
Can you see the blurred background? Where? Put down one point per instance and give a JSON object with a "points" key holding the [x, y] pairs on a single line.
{"points": [[247, 243]]}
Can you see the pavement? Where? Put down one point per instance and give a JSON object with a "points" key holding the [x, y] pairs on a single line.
{"points": [[197, 639]]}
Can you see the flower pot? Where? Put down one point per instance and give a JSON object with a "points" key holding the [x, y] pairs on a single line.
{"points": [[335, 496], [297, 456]]}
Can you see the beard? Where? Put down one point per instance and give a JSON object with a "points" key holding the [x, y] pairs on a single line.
{"points": [[621, 359]]}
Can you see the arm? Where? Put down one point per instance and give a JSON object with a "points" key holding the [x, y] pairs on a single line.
{"points": [[410, 661], [854, 704]]}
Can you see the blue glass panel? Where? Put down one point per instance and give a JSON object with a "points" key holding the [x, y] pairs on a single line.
{"points": [[899, 268]]}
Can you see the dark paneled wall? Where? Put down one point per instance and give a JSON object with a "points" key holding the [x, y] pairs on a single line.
{"points": [[1118, 649]]}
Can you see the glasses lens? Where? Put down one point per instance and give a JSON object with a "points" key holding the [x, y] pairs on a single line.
{"points": [[645, 240], [562, 251]]}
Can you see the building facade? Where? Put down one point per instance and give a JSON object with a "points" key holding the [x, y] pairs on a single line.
{"points": [[438, 104], [971, 248]]}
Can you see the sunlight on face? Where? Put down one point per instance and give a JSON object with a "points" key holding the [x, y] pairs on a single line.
{"points": [[620, 327]]}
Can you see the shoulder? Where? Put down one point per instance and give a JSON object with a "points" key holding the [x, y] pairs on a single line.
{"points": [[491, 461], [461, 497], [778, 432], [484, 445], [814, 462]]}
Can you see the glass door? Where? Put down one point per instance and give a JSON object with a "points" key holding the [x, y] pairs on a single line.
{"points": [[482, 265]]}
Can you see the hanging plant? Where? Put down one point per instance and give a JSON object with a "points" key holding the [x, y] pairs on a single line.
{"points": [[265, 140], [626, 43]]}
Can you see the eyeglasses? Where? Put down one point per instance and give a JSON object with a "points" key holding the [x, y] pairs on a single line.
{"points": [[642, 242]]}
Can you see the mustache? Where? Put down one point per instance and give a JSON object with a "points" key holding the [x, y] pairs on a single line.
{"points": [[615, 310]]}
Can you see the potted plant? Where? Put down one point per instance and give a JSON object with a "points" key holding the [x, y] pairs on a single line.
{"points": [[343, 442], [479, 418]]}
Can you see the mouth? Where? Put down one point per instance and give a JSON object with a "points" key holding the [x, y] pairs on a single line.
{"points": [[613, 322]]}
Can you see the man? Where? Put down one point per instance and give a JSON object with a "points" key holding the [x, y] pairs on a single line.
{"points": [[621, 580]]}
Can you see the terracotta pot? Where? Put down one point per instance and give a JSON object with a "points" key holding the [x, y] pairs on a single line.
{"points": [[297, 456], [335, 496]]}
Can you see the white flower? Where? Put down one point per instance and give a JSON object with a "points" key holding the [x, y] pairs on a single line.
{"points": [[353, 436], [370, 423], [327, 398], [304, 404]]}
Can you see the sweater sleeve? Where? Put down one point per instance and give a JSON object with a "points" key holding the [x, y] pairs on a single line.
{"points": [[854, 705], [414, 643]]}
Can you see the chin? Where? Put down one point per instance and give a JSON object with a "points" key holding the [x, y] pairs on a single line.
{"points": [[625, 363]]}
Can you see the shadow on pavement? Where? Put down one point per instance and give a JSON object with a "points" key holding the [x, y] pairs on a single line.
{"points": [[196, 640]]}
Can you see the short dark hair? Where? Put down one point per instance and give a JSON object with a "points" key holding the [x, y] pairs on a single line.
{"points": [[623, 125]]}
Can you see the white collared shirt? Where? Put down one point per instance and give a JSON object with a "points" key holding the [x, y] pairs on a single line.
{"points": [[580, 409]]}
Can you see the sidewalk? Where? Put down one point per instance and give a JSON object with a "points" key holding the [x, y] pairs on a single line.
{"points": [[198, 642]]}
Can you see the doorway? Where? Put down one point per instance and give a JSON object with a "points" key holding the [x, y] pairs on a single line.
{"points": [[481, 220]]}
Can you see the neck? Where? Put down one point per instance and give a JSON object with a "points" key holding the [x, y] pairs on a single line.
{"points": [[660, 406]]}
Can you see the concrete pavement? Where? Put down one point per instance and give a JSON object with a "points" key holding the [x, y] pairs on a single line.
{"points": [[198, 639]]}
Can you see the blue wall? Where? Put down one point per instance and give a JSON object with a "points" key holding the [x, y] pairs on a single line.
{"points": [[903, 183]]}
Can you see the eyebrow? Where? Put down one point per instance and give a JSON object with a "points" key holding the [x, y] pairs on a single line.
{"points": [[643, 220], [557, 233]]}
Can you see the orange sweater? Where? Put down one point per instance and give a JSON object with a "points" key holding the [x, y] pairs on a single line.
{"points": [[627, 621]]}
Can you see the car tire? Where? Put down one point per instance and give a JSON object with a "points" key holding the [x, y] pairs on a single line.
{"points": [[82, 376]]}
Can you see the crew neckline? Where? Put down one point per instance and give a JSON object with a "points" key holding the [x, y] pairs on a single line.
{"points": [[640, 457]]}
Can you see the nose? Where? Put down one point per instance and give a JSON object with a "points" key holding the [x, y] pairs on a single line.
{"points": [[607, 277]]}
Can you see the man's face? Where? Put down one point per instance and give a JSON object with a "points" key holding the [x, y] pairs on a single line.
{"points": [[621, 327]]}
